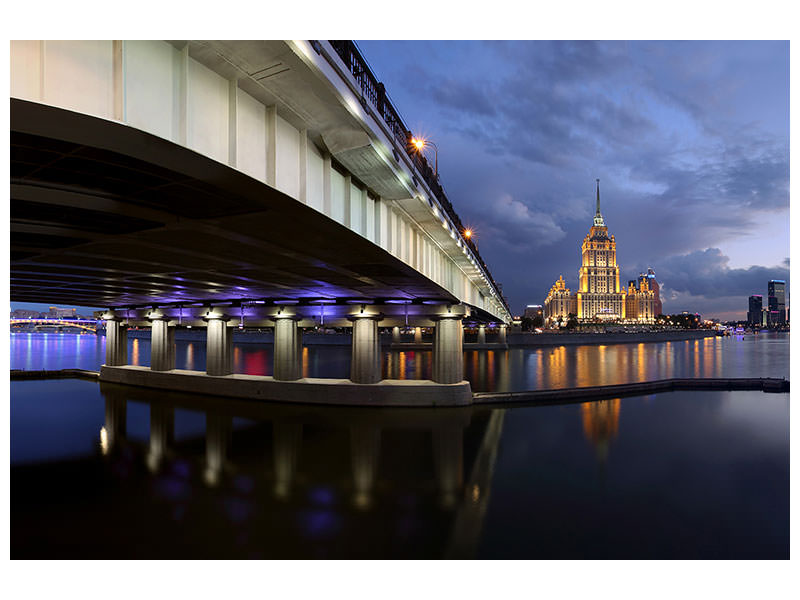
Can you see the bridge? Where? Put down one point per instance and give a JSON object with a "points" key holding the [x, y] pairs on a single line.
{"points": [[233, 184], [85, 324]]}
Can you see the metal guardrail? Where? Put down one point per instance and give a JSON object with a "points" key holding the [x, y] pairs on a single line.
{"points": [[374, 92]]}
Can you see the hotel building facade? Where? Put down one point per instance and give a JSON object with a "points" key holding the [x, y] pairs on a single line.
{"points": [[599, 296]]}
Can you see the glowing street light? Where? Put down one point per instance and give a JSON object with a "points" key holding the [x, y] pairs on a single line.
{"points": [[469, 235], [420, 145]]}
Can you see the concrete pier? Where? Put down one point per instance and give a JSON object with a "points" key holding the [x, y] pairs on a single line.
{"points": [[116, 343], [365, 366], [162, 345], [501, 334], [396, 335], [219, 346], [448, 350], [334, 392], [288, 349], [417, 335], [481, 333]]}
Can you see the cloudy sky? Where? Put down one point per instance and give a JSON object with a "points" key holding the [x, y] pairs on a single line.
{"points": [[690, 141]]}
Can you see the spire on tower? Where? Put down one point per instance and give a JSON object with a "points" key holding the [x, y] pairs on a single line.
{"points": [[598, 218], [598, 198]]}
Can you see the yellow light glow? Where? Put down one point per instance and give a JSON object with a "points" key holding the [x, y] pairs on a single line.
{"points": [[418, 144], [468, 233], [103, 440]]}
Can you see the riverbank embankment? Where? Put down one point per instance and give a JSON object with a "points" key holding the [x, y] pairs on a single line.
{"points": [[515, 340], [639, 388], [574, 339], [54, 374]]}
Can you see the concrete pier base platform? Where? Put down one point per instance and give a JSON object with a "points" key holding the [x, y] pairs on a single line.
{"points": [[341, 392]]}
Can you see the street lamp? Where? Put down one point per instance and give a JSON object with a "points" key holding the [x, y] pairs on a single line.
{"points": [[468, 235], [420, 144]]}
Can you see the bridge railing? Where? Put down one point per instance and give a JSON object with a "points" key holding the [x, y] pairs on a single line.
{"points": [[374, 92]]}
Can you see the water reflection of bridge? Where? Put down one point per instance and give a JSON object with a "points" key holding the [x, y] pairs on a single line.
{"points": [[390, 482], [58, 324]]}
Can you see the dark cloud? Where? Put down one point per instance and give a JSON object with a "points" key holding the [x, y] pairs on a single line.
{"points": [[706, 273]]}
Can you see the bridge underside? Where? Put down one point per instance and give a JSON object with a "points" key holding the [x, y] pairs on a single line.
{"points": [[106, 215]]}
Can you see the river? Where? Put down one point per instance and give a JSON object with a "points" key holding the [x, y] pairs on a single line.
{"points": [[169, 475]]}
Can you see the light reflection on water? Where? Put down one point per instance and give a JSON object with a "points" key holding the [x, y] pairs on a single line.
{"points": [[764, 355], [701, 475]]}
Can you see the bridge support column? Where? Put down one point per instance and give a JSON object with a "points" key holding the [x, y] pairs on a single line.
{"points": [[116, 343], [481, 333], [501, 334], [162, 345], [219, 345], [288, 349], [395, 335], [417, 335], [365, 363], [448, 349]]}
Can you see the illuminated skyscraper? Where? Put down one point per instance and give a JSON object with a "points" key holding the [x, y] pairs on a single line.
{"points": [[776, 302], [599, 297]]}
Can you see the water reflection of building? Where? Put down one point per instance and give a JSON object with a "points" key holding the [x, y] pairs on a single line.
{"points": [[316, 481], [600, 423]]}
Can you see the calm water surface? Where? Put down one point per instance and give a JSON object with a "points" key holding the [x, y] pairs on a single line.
{"points": [[106, 471], [763, 355]]}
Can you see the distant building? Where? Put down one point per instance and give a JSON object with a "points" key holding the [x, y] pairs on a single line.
{"points": [[23, 313], [639, 301], [560, 303], [532, 311], [61, 313], [658, 308], [776, 302], [754, 310]]}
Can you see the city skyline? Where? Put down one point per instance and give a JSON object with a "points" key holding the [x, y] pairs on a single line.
{"points": [[691, 140]]}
